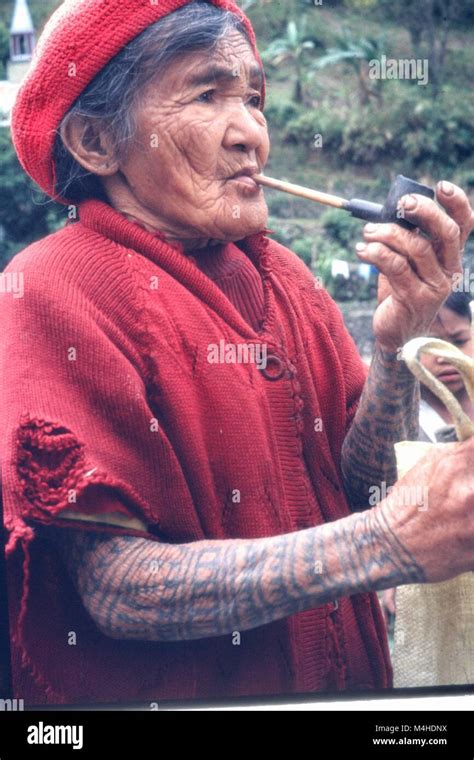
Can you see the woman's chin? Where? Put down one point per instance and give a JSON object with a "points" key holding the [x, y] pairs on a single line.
{"points": [[233, 224], [251, 221]]}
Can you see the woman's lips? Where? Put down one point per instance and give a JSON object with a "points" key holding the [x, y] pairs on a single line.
{"points": [[246, 184]]}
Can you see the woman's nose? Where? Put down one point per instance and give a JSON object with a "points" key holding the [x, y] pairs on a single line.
{"points": [[243, 131]]}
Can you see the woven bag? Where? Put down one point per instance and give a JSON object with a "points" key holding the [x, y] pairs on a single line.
{"points": [[434, 626]]}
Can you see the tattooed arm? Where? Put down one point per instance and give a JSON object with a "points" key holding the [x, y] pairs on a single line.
{"points": [[387, 413], [417, 272], [135, 588]]}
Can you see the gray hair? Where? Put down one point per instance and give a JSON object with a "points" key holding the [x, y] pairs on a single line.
{"points": [[114, 93]]}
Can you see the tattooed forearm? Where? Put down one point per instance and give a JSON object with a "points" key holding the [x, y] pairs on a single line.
{"points": [[387, 413], [134, 588]]}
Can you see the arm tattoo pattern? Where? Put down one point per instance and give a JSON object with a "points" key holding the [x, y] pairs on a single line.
{"points": [[135, 588], [387, 413]]}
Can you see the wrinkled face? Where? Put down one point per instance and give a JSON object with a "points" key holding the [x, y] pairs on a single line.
{"points": [[454, 329], [199, 124]]}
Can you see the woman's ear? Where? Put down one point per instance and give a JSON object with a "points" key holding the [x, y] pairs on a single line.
{"points": [[90, 144]]}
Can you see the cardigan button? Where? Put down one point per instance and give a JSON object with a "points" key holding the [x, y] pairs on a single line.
{"points": [[275, 368]]}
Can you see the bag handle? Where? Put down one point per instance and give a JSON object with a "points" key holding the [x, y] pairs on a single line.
{"points": [[435, 347]]}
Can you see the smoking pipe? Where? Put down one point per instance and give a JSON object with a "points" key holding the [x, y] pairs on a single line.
{"points": [[371, 212]]}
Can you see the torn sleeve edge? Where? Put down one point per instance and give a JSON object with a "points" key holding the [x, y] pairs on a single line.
{"points": [[49, 495]]}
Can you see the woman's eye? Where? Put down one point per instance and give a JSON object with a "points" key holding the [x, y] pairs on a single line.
{"points": [[209, 95], [206, 97]]}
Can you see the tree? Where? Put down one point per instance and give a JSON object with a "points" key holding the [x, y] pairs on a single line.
{"points": [[439, 19], [356, 53], [292, 49], [429, 22]]}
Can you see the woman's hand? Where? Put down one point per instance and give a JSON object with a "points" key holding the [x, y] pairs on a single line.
{"points": [[430, 511], [417, 267]]}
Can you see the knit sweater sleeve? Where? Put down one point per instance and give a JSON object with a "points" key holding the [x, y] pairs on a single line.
{"points": [[78, 440]]}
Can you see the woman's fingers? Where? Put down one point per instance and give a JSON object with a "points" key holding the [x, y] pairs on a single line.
{"points": [[415, 248], [404, 281], [417, 267], [456, 203], [443, 231]]}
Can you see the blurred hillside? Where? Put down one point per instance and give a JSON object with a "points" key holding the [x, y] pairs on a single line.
{"points": [[349, 134], [332, 126]]}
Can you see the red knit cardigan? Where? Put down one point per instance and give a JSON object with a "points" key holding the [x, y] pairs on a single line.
{"points": [[108, 391]]}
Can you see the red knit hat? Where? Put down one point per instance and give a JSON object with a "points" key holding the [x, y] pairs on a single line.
{"points": [[85, 35]]}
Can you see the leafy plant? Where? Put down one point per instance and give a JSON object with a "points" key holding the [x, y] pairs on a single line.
{"points": [[342, 228], [356, 52], [279, 111], [291, 48]]}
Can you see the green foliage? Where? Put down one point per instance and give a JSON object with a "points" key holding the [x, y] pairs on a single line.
{"points": [[418, 131], [350, 48], [355, 51], [325, 121], [268, 18], [465, 178], [304, 247], [4, 49], [341, 228], [280, 205], [326, 251], [279, 111], [316, 249], [26, 214], [292, 48], [410, 129], [283, 232]]}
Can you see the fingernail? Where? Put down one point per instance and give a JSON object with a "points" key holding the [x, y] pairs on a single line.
{"points": [[371, 227], [447, 187], [408, 202], [360, 247]]}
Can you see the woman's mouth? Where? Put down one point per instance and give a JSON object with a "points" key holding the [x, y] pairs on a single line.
{"points": [[245, 182]]}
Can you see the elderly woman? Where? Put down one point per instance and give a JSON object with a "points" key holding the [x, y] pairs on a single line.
{"points": [[188, 424]]}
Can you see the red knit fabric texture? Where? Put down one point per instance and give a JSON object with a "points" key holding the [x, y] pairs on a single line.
{"points": [[140, 317], [233, 272]]}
